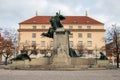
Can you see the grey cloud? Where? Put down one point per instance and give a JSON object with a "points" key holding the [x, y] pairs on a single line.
{"points": [[14, 11]]}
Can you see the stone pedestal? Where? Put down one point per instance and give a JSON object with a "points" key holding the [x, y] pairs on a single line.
{"points": [[61, 47]]}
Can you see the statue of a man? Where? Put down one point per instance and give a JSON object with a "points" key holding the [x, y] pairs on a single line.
{"points": [[55, 20], [55, 23]]}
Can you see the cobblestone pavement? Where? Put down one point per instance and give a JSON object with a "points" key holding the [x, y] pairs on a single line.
{"points": [[60, 75]]}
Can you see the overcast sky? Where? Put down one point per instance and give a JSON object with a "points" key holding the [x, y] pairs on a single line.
{"points": [[13, 12]]}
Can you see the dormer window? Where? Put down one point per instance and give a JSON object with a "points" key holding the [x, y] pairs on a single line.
{"points": [[87, 21], [34, 21], [75, 21]]}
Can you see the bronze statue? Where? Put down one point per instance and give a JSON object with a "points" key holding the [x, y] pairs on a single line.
{"points": [[55, 23]]}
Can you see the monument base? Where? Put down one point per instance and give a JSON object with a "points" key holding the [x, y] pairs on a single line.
{"points": [[58, 64], [61, 46], [61, 59]]}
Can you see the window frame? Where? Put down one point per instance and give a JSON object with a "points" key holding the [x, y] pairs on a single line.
{"points": [[51, 44], [80, 35], [89, 27], [33, 43], [71, 43], [43, 27], [89, 35], [33, 35], [70, 35], [89, 43], [70, 27], [79, 27], [42, 44], [80, 43], [34, 27]]}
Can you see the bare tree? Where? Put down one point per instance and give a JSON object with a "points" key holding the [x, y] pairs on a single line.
{"points": [[8, 43], [34, 51], [113, 36], [6, 49], [81, 49], [12, 35]]}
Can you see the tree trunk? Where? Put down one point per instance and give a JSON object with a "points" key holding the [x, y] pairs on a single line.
{"points": [[117, 60], [6, 60]]}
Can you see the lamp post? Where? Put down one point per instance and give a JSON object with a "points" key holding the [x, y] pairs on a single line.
{"points": [[96, 53], [15, 49]]}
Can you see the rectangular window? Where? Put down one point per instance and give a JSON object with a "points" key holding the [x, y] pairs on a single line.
{"points": [[90, 51], [89, 35], [70, 35], [79, 27], [70, 27], [43, 27], [33, 35], [80, 43], [34, 27], [89, 43], [33, 43], [42, 43], [88, 27], [79, 35], [51, 43], [71, 43]]}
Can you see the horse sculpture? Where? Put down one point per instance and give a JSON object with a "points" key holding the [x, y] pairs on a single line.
{"points": [[55, 23]]}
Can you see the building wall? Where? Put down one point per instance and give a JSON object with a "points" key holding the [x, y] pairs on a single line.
{"points": [[96, 31]]}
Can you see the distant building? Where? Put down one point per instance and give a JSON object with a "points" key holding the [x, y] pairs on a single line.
{"points": [[111, 48], [87, 33]]}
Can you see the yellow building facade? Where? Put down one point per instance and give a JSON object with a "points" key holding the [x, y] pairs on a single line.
{"points": [[85, 31]]}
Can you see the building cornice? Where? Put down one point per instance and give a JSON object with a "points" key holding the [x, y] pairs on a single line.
{"points": [[73, 30]]}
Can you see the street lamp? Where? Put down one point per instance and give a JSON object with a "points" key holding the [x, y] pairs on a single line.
{"points": [[15, 46]]}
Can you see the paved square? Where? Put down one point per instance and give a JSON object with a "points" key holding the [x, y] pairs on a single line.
{"points": [[59, 75]]}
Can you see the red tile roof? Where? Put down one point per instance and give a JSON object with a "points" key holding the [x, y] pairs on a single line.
{"points": [[68, 20]]}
